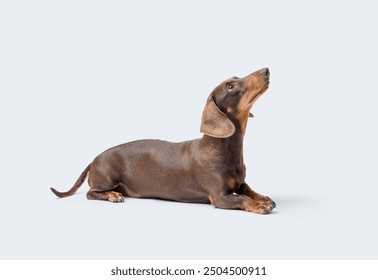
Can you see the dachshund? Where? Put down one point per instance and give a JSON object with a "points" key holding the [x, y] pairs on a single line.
{"points": [[206, 170]]}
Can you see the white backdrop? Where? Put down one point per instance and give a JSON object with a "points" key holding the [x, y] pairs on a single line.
{"points": [[78, 77]]}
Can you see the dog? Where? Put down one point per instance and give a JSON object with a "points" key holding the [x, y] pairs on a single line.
{"points": [[206, 170]]}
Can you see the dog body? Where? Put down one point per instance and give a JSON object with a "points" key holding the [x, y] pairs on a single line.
{"points": [[206, 170]]}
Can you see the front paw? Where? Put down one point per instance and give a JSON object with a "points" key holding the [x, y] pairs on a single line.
{"points": [[267, 200], [260, 207]]}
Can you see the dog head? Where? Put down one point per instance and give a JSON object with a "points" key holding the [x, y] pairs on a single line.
{"points": [[229, 104]]}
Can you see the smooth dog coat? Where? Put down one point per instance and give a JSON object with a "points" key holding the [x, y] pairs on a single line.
{"points": [[206, 170]]}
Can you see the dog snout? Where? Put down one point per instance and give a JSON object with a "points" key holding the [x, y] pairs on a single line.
{"points": [[265, 72]]}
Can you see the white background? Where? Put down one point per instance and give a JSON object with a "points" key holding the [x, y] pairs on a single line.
{"points": [[77, 77]]}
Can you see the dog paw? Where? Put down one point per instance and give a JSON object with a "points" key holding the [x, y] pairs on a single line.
{"points": [[267, 200], [271, 202], [115, 197], [259, 207]]}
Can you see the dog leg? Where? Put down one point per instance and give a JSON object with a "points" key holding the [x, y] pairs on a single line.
{"points": [[244, 189], [232, 201]]}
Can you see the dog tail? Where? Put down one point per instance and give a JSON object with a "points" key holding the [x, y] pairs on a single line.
{"points": [[75, 187]]}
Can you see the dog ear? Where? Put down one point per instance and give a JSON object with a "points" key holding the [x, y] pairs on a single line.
{"points": [[214, 122]]}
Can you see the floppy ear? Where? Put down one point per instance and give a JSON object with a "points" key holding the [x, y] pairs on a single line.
{"points": [[214, 122]]}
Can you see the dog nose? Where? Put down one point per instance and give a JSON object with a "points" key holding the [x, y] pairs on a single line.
{"points": [[265, 72]]}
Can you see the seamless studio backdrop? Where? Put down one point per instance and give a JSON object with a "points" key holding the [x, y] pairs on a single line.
{"points": [[78, 77]]}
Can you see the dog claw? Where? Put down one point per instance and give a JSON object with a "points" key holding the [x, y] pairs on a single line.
{"points": [[267, 211], [273, 204]]}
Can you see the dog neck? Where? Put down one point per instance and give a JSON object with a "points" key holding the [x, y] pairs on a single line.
{"points": [[231, 147]]}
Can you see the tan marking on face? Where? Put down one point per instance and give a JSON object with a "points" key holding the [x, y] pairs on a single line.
{"points": [[257, 85], [243, 109], [229, 110]]}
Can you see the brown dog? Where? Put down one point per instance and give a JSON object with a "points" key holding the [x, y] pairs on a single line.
{"points": [[206, 170]]}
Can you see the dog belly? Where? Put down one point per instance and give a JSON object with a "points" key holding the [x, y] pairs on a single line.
{"points": [[163, 189], [160, 169]]}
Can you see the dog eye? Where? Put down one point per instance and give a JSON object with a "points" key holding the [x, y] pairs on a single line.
{"points": [[230, 87]]}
